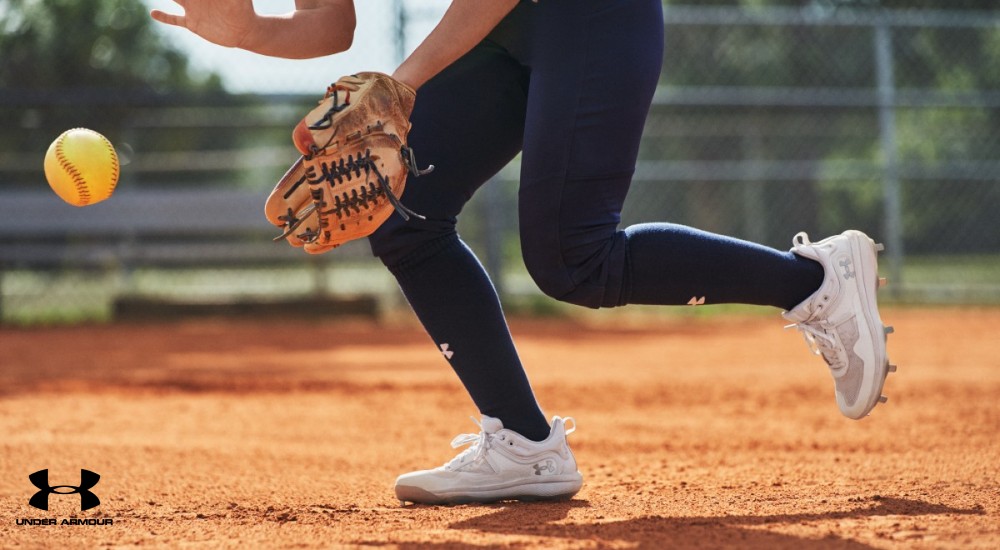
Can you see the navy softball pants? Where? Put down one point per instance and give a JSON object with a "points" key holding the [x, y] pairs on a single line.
{"points": [[567, 83]]}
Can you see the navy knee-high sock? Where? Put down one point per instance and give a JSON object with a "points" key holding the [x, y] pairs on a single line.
{"points": [[455, 301], [672, 264]]}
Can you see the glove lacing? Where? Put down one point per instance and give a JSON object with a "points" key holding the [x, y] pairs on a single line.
{"points": [[342, 85], [337, 170]]}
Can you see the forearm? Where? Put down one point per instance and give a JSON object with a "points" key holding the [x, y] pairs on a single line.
{"points": [[303, 34], [463, 26]]}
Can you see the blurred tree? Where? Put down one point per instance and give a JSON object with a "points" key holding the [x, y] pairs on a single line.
{"points": [[809, 59], [102, 44], [98, 64]]}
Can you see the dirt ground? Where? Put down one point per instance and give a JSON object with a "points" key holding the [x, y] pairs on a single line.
{"points": [[714, 432]]}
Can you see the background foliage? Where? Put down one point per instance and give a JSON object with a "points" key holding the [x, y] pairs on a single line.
{"points": [[769, 119]]}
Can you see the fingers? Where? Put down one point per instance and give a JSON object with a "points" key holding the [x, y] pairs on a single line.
{"points": [[168, 18]]}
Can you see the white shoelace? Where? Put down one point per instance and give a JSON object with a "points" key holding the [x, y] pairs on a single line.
{"points": [[480, 445], [820, 343]]}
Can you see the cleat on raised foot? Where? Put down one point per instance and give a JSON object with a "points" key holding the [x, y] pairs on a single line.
{"points": [[841, 322], [500, 464], [889, 330]]}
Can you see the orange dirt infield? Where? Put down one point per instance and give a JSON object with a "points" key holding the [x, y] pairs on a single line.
{"points": [[706, 432]]}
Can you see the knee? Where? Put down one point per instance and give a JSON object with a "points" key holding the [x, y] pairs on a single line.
{"points": [[586, 275], [550, 277], [398, 240]]}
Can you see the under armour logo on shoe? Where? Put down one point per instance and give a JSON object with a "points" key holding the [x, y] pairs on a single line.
{"points": [[88, 479], [549, 467], [696, 301], [848, 272], [446, 352]]}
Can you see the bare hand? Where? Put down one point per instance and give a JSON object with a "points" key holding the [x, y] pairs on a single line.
{"points": [[224, 22]]}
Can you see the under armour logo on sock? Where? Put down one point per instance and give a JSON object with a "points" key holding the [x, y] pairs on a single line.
{"points": [[696, 301], [88, 479], [446, 352], [848, 272]]}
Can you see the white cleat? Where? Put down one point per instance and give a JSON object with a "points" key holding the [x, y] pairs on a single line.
{"points": [[500, 465], [840, 321]]}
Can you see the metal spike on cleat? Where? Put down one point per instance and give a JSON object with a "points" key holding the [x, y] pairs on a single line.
{"points": [[892, 368], [882, 399], [882, 281], [889, 330], [879, 247]]}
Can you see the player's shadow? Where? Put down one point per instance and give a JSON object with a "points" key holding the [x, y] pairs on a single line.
{"points": [[544, 520]]}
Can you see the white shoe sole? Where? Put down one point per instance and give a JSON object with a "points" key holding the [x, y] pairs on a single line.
{"points": [[864, 253], [560, 487]]}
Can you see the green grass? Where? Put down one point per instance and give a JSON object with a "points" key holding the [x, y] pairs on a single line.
{"points": [[957, 270], [32, 298]]}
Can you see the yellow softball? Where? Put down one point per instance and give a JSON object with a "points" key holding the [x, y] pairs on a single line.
{"points": [[81, 166]]}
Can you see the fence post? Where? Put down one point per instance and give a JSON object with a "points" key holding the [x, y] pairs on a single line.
{"points": [[754, 203], [892, 197], [399, 9], [493, 227], [320, 286]]}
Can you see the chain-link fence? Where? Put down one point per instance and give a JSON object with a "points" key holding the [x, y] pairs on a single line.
{"points": [[775, 120], [767, 121]]}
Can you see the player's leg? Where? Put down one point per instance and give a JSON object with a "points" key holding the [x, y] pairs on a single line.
{"points": [[585, 120], [581, 141], [468, 121], [838, 315]]}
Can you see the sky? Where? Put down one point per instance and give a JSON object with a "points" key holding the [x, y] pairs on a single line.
{"points": [[374, 48]]}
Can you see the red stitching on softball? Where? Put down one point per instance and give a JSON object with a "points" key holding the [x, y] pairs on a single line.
{"points": [[81, 184]]}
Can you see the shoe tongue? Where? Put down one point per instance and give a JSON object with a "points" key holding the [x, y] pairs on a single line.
{"points": [[491, 425]]}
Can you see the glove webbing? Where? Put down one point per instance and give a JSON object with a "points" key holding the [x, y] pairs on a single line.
{"points": [[336, 172]]}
